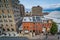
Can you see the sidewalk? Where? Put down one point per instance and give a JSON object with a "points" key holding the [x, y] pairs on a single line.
{"points": [[37, 37], [43, 37]]}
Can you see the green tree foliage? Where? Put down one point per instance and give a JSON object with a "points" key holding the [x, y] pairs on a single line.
{"points": [[54, 28]]}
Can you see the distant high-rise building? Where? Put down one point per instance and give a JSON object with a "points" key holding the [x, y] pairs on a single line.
{"points": [[22, 10], [27, 13], [37, 11], [9, 16], [45, 13]]}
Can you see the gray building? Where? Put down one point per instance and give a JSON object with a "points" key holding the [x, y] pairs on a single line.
{"points": [[55, 16], [37, 11], [22, 10], [9, 16]]}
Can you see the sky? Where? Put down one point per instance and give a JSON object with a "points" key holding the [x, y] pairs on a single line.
{"points": [[42, 3]]}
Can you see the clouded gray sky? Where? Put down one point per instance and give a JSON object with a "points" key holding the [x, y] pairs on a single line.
{"points": [[43, 3]]}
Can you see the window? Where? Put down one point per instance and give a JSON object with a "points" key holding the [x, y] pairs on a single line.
{"points": [[5, 20], [34, 19], [0, 31], [9, 34], [0, 0], [14, 34], [11, 25], [38, 18], [4, 16], [6, 1], [6, 24], [0, 16], [2, 11], [9, 16], [20, 31], [33, 23], [13, 1], [27, 26], [24, 26], [0, 5], [47, 21], [30, 19], [12, 29], [3, 29], [1, 21], [6, 5], [24, 19], [8, 11], [8, 29], [1, 24], [10, 20], [33, 30], [5, 34]]}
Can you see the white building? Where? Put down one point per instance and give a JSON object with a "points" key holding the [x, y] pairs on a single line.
{"points": [[56, 18]]}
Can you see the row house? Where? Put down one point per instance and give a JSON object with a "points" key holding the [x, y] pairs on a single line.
{"points": [[35, 24]]}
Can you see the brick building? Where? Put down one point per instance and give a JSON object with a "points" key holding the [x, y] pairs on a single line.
{"points": [[47, 23], [35, 24]]}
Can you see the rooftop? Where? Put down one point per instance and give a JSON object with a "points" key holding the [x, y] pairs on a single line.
{"points": [[55, 15], [34, 19]]}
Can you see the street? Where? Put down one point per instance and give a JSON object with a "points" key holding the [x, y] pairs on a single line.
{"points": [[37, 37], [49, 37]]}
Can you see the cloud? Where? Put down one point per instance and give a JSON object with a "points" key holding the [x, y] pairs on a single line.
{"points": [[55, 5], [51, 6]]}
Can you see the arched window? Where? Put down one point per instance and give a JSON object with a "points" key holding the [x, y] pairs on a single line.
{"points": [[12, 29], [8, 29], [6, 24], [33, 30], [0, 31], [3, 29]]}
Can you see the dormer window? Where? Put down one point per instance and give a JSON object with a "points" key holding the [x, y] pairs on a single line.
{"points": [[24, 19], [30, 19]]}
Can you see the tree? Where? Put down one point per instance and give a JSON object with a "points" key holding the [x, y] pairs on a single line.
{"points": [[54, 28]]}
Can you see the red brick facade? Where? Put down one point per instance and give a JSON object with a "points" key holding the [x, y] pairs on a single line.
{"points": [[35, 27]]}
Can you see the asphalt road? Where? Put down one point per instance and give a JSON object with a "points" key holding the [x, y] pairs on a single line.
{"points": [[42, 37], [49, 37], [13, 38]]}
